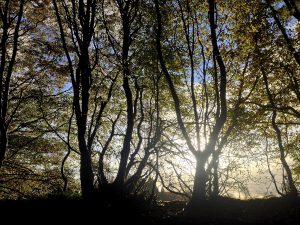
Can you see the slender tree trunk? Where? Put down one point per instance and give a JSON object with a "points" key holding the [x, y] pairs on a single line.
{"points": [[170, 81], [5, 88], [292, 188], [102, 181], [222, 117], [126, 144], [81, 79], [125, 10], [62, 170], [3, 143], [215, 192], [288, 41], [133, 179]]}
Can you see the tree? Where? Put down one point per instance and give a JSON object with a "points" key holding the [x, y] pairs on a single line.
{"points": [[128, 11], [82, 21], [11, 17], [265, 51], [199, 190]]}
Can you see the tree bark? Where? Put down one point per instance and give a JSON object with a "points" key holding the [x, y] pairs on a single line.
{"points": [[81, 82], [127, 140], [199, 190], [126, 18], [215, 192], [86, 170], [292, 188], [3, 143], [4, 89]]}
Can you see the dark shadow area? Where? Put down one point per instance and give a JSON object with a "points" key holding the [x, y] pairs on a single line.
{"points": [[113, 208]]}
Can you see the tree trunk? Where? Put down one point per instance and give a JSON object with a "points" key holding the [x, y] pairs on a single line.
{"points": [[132, 181], [6, 58], [292, 192], [125, 11], [199, 190], [102, 181], [215, 192], [292, 188], [81, 79], [86, 170], [3, 144], [126, 144]]}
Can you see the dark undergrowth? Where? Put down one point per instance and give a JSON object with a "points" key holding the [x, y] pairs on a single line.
{"points": [[114, 208]]}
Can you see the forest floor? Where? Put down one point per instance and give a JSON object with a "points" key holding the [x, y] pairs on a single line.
{"points": [[223, 211]]}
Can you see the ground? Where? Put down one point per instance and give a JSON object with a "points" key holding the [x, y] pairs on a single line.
{"points": [[222, 211]]}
